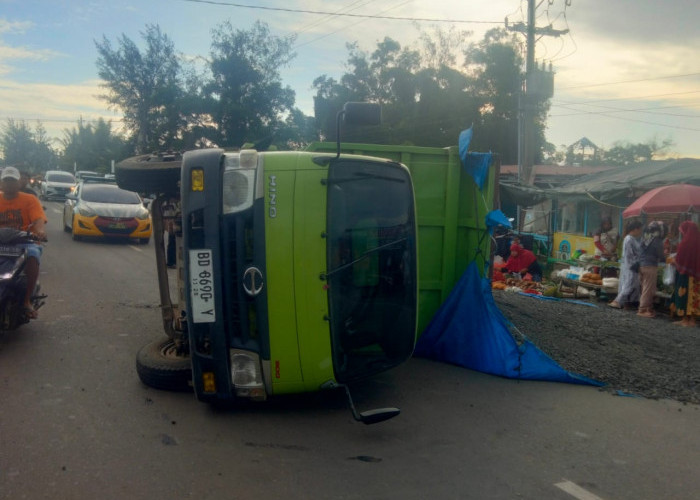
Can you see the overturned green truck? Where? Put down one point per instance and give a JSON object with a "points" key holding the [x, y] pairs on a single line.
{"points": [[299, 271]]}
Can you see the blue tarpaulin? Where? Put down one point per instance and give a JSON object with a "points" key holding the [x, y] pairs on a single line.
{"points": [[470, 331], [476, 164]]}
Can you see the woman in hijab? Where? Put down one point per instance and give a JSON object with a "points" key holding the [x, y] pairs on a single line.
{"points": [[523, 261], [629, 276], [686, 295], [652, 253]]}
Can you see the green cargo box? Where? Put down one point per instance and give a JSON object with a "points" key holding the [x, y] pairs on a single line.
{"points": [[451, 212]]}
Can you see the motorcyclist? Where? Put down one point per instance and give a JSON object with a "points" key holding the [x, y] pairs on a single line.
{"points": [[23, 212], [24, 183]]}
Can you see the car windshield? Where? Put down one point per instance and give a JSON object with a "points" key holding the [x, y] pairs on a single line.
{"points": [[371, 255], [98, 193], [66, 177]]}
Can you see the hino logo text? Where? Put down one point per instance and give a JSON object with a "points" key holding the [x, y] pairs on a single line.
{"points": [[273, 196]]}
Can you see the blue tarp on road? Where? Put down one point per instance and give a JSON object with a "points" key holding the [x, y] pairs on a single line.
{"points": [[470, 331]]}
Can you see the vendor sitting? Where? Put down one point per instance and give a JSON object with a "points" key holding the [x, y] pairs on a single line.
{"points": [[523, 261]]}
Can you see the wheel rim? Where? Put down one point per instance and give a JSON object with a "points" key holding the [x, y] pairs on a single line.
{"points": [[169, 351]]}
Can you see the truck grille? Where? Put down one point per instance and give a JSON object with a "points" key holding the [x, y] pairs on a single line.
{"points": [[236, 302]]}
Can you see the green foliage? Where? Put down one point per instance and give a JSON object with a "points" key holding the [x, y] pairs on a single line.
{"points": [[620, 154], [625, 153], [92, 146], [145, 87], [426, 98], [21, 145], [495, 65], [296, 132], [245, 96]]}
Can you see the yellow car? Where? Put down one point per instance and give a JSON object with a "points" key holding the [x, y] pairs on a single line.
{"points": [[105, 210]]}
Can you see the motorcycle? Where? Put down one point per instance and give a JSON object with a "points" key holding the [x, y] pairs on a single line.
{"points": [[13, 281]]}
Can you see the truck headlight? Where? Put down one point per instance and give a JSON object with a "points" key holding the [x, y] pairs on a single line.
{"points": [[246, 375], [238, 188]]}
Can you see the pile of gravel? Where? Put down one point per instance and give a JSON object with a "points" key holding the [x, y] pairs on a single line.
{"points": [[653, 358]]}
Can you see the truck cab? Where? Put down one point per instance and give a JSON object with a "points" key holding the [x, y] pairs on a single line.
{"points": [[300, 270], [296, 271]]}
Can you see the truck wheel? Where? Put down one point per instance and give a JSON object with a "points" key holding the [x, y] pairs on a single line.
{"points": [[161, 367], [154, 173]]}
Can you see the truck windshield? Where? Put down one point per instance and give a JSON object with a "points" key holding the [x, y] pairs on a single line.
{"points": [[371, 267]]}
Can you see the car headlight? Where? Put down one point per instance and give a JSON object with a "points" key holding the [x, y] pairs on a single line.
{"points": [[143, 214], [85, 211]]}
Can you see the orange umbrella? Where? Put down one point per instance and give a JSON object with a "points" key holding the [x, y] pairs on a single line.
{"points": [[673, 199]]}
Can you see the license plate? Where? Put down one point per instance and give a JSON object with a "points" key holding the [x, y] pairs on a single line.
{"points": [[117, 225], [202, 286], [9, 251]]}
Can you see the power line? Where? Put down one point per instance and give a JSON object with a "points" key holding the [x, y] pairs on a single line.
{"points": [[344, 28], [631, 81], [345, 14], [62, 120], [609, 114], [624, 110], [632, 98], [349, 8]]}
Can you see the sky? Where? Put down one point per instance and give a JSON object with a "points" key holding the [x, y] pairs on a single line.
{"points": [[626, 71]]}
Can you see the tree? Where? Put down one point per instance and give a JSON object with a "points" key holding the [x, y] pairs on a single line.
{"points": [[22, 146], [496, 65], [296, 132], [626, 153], [427, 98], [92, 146], [245, 97], [145, 87]]}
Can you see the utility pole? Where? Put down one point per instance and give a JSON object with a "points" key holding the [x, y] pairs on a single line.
{"points": [[538, 85]]}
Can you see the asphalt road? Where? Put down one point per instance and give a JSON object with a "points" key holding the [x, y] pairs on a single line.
{"points": [[76, 423]]}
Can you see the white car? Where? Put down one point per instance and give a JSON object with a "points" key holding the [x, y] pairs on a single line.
{"points": [[56, 185]]}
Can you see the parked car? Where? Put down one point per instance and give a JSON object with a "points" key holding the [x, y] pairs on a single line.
{"points": [[56, 185], [82, 174], [100, 209]]}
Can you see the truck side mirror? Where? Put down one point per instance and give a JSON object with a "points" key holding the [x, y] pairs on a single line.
{"points": [[357, 113]]}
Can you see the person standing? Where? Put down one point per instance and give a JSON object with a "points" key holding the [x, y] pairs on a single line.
{"points": [[686, 293], [629, 286], [652, 253], [605, 240], [672, 238]]}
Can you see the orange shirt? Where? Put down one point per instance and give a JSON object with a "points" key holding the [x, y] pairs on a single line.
{"points": [[21, 211]]}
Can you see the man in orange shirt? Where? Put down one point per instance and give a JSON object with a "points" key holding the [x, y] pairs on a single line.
{"points": [[23, 211]]}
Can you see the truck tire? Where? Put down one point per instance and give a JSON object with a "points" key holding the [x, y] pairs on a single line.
{"points": [[154, 173], [161, 367]]}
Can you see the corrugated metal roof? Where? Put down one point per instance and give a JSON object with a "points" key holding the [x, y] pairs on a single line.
{"points": [[558, 170]]}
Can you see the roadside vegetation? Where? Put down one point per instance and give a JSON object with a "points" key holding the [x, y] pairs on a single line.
{"points": [[430, 91]]}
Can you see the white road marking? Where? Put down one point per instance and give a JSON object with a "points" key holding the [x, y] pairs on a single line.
{"points": [[56, 210], [576, 491], [135, 248]]}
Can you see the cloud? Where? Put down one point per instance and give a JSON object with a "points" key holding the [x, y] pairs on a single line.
{"points": [[19, 53], [14, 27], [7, 52], [645, 22], [58, 107]]}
